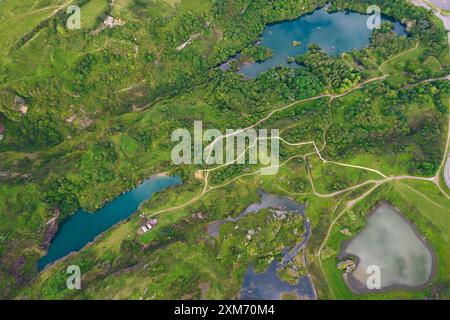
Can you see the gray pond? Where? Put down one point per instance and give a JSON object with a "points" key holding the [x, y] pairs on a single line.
{"points": [[392, 243], [335, 33]]}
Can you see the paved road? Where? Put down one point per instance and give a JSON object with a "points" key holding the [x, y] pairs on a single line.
{"points": [[443, 4], [447, 172]]}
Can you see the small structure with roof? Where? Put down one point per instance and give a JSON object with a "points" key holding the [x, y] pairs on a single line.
{"points": [[149, 225]]}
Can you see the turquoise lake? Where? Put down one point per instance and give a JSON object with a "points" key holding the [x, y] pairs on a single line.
{"points": [[335, 33], [82, 227]]}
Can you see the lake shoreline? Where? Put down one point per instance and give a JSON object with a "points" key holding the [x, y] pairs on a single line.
{"points": [[97, 237], [335, 31], [355, 286]]}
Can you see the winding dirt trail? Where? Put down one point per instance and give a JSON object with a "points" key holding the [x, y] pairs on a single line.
{"points": [[205, 172], [350, 202], [399, 55]]}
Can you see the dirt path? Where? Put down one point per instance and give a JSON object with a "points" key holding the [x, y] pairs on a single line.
{"points": [[350, 203], [205, 172], [445, 165], [54, 8], [426, 81], [398, 56]]}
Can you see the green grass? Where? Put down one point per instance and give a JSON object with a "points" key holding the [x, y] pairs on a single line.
{"points": [[20, 17]]}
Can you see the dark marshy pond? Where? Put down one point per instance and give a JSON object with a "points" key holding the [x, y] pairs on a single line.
{"points": [[392, 243], [268, 285]]}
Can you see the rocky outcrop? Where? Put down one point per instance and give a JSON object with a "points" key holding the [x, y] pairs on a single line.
{"points": [[52, 228]]}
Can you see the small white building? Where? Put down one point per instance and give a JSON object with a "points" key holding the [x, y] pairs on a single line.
{"points": [[148, 225]]}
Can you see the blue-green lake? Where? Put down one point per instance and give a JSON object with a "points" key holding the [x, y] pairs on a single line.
{"points": [[82, 227], [335, 33]]}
